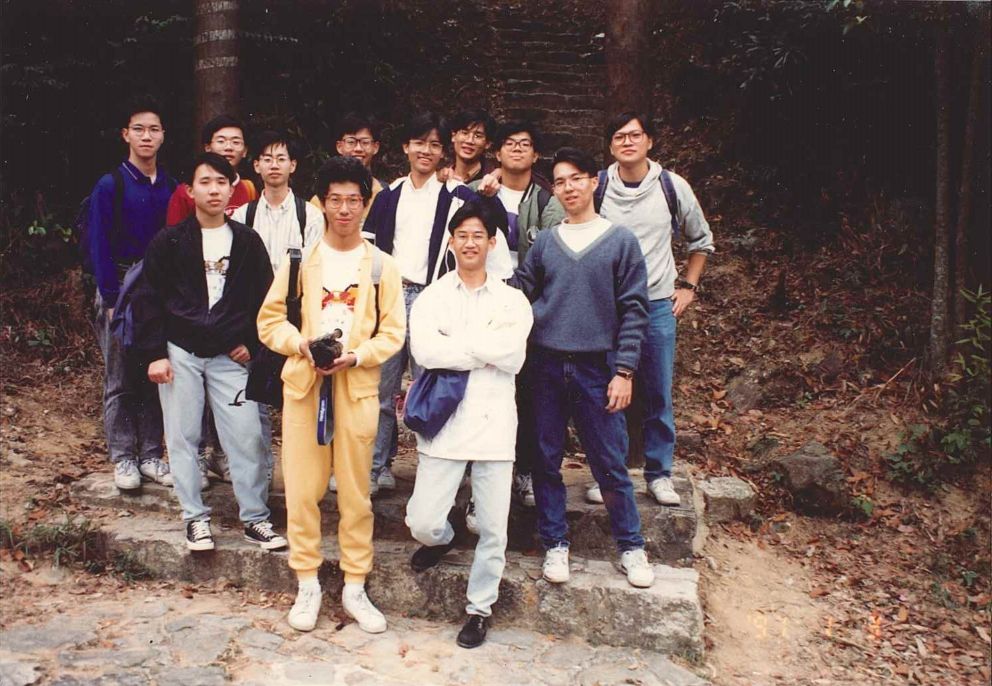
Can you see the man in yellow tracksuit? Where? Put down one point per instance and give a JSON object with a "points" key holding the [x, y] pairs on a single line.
{"points": [[350, 285]]}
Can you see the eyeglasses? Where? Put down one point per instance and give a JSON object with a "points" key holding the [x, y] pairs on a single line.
{"points": [[474, 134], [350, 142], [150, 130], [521, 143], [464, 237], [335, 202], [278, 159], [419, 145], [574, 181], [632, 136], [234, 142]]}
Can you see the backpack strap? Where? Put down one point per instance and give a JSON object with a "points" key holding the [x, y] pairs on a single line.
{"points": [[117, 226], [250, 213], [301, 217], [543, 198], [376, 278], [668, 187], [294, 290], [600, 192]]}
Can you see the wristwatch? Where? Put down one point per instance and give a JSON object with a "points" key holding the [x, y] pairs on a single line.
{"points": [[625, 374], [682, 283]]}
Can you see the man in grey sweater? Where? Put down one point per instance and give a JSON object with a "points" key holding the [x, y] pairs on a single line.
{"points": [[587, 284], [659, 207]]}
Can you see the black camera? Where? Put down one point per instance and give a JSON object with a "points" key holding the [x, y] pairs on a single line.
{"points": [[326, 349]]}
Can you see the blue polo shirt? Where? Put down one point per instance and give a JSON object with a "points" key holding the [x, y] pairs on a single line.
{"points": [[143, 215]]}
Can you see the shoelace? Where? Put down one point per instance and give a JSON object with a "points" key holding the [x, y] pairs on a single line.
{"points": [[127, 467], [264, 528], [201, 530], [637, 559], [308, 597], [556, 556]]}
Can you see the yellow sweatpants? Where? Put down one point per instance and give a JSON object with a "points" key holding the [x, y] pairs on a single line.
{"points": [[307, 467]]}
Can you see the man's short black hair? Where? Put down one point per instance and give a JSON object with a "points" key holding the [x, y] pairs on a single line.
{"points": [[353, 122], [422, 124], [267, 139], [344, 169], [137, 104], [469, 117], [580, 159], [216, 162], [513, 127], [621, 120], [221, 121], [473, 209]]}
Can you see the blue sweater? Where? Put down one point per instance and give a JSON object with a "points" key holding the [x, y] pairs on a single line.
{"points": [[592, 301], [143, 215]]}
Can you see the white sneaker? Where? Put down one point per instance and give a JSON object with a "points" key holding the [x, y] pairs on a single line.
{"points": [[303, 615], [556, 565], [203, 462], [471, 521], [664, 492], [357, 604], [523, 489], [386, 481], [198, 536], [594, 495], [634, 563], [332, 485], [126, 475], [156, 470]]}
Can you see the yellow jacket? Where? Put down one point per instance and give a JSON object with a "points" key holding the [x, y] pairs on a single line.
{"points": [[277, 334]]}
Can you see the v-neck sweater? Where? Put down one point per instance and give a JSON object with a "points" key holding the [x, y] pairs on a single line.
{"points": [[594, 300]]}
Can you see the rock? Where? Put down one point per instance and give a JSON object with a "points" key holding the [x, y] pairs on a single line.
{"points": [[814, 478], [29, 639], [257, 638], [727, 498], [109, 679], [193, 676], [689, 442], [19, 673], [744, 390], [103, 658]]}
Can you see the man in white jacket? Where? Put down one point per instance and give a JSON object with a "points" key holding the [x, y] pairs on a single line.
{"points": [[469, 320]]}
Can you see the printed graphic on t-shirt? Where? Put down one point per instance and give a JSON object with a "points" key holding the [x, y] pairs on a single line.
{"points": [[338, 309], [216, 271]]}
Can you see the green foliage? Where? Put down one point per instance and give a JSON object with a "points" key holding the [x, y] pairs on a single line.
{"points": [[863, 504], [911, 463], [70, 542]]}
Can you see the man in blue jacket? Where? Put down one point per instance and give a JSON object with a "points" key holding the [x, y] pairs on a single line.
{"points": [[409, 221], [127, 208]]}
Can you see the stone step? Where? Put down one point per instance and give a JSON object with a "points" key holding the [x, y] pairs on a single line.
{"points": [[668, 531], [597, 604]]}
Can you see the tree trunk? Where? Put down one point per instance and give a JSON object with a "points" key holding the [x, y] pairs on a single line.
{"points": [[939, 330], [217, 69], [628, 24], [965, 194]]}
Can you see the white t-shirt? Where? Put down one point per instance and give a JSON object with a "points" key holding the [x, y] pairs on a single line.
{"points": [[578, 237], [339, 277], [414, 222], [511, 203], [216, 260]]}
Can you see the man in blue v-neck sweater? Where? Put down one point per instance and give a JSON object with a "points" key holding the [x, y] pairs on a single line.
{"points": [[587, 283]]}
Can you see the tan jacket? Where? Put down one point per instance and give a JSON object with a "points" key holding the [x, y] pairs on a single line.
{"points": [[277, 334]]}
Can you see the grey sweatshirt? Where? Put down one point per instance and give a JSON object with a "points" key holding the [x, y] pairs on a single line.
{"points": [[592, 301], [644, 211]]}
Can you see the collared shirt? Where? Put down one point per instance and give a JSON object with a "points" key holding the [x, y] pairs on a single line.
{"points": [[182, 206], [414, 222], [143, 214], [279, 229], [484, 331]]}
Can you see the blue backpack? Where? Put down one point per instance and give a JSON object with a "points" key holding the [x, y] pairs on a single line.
{"points": [[667, 187], [82, 223], [122, 323]]}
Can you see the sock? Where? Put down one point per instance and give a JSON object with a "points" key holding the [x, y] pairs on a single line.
{"points": [[353, 588], [309, 583]]}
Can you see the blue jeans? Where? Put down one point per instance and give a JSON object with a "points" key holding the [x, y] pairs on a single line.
{"points": [[434, 493], [217, 380], [390, 384], [132, 416], [655, 373], [573, 385]]}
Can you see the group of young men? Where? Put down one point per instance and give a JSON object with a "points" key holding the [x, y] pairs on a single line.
{"points": [[549, 297]]}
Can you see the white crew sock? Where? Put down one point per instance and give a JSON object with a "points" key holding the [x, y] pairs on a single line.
{"points": [[353, 588], [309, 583]]}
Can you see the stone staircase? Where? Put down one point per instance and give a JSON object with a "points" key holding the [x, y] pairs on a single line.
{"points": [[550, 72], [596, 605]]}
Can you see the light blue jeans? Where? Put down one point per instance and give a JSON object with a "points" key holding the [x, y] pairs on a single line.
{"points": [[434, 493], [655, 373], [216, 380], [390, 384]]}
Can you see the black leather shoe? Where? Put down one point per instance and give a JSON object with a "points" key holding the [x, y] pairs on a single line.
{"points": [[473, 634], [427, 556]]}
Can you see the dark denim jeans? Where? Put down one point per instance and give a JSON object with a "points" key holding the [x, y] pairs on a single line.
{"points": [[574, 386], [655, 377], [132, 415]]}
